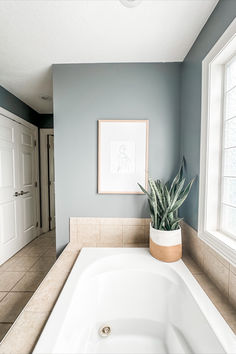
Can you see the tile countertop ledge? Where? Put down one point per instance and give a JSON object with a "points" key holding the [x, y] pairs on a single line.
{"points": [[26, 330]]}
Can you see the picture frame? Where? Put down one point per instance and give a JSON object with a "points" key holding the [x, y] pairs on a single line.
{"points": [[122, 156]]}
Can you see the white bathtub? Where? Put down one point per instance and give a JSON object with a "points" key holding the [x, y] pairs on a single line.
{"points": [[150, 306]]}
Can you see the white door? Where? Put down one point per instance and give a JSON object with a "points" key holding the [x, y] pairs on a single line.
{"points": [[51, 182], [10, 207], [27, 184], [17, 191]]}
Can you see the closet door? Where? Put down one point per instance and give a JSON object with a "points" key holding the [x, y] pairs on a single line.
{"points": [[10, 203], [18, 206], [27, 181]]}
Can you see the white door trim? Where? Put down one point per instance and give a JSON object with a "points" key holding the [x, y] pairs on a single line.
{"points": [[44, 178], [14, 117], [19, 120]]}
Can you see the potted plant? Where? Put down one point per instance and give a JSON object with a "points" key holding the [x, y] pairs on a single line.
{"points": [[164, 200]]}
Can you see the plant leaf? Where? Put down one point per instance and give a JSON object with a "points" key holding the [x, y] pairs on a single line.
{"points": [[178, 190], [187, 189], [154, 200], [175, 225], [144, 191], [164, 201], [178, 177], [167, 195], [158, 189]]}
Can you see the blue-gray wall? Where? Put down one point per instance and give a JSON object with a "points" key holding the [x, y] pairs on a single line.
{"points": [[191, 71], [45, 121], [16, 106], [84, 93]]}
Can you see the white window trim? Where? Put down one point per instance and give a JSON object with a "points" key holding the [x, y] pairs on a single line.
{"points": [[223, 148], [210, 159]]}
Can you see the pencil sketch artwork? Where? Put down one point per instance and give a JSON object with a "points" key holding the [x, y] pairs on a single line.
{"points": [[122, 157]]}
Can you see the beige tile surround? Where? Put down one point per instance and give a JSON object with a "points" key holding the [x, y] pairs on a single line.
{"points": [[109, 232], [95, 232], [218, 269]]}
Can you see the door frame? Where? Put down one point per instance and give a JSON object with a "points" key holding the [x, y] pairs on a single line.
{"points": [[44, 178], [21, 121]]}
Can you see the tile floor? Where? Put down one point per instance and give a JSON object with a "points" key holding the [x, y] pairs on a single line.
{"points": [[21, 275]]}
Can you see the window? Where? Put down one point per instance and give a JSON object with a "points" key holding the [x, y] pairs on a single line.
{"points": [[228, 191], [217, 190]]}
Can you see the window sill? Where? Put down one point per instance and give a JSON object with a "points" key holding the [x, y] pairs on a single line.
{"points": [[221, 243]]}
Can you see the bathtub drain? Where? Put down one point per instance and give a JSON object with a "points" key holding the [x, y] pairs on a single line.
{"points": [[104, 331]]}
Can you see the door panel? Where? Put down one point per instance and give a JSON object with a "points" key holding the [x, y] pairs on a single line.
{"points": [[27, 182], [6, 132], [9, 184], [6, 167], [27, 139], [28, 207], [17, 187], [8, 229], [27, 173]]}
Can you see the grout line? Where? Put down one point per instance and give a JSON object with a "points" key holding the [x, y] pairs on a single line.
{"points": [[7, 292], [228, 284], [16, 271], [214, 279], [22, 291], [99, 235], [16, 283], [218, 257], [122, 235], [34, 263]]}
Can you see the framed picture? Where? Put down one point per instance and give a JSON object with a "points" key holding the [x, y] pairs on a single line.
{"points": [[122, 156]]}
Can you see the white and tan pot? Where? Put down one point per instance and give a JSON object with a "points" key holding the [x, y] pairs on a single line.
{"points": [[165, 246]]}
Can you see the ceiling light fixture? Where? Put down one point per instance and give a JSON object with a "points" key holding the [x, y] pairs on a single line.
{"points": [[130, 3]]}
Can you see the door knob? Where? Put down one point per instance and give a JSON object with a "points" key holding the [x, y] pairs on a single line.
{"points": [[16, 194], [22, 192]]}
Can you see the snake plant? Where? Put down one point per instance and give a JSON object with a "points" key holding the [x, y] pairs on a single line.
{"points": [[165, 199]]}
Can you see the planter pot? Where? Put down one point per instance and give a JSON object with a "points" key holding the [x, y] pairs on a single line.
{"points": [[165, 246]]}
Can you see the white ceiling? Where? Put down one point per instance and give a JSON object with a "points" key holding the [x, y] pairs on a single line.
{"points": [[36, 34]]}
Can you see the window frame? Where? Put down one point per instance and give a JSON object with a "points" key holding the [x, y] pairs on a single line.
{"points": [[224, 122], [211, 154]]}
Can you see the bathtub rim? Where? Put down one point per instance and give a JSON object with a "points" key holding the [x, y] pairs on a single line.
{"points": [[89, 255]]}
